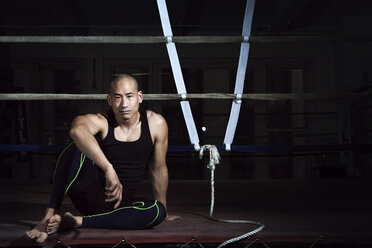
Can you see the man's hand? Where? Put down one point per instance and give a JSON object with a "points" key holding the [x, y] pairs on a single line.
{"points": [[113, 187]]}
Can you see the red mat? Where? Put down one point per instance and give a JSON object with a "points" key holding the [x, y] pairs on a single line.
{"points": [[179, 231], [340, 212]]}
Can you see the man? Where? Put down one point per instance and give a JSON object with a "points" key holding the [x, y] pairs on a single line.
{"points": [[101, 168]]}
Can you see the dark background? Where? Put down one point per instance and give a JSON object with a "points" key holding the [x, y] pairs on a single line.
{"points": [[341, 66]]}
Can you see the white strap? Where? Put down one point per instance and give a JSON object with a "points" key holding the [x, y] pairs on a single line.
{"points": [[242, 66], [164, 18], [191, 129], [177, 74], [176, 68], [240, 75], [248, 16], [231, 125]]}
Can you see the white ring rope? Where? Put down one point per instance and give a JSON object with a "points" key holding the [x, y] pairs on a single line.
{"points": [[217, 96], [214, 158], [179, 39]]}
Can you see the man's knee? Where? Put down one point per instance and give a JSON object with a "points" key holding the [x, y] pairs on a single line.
{"points": [[162, 214]]}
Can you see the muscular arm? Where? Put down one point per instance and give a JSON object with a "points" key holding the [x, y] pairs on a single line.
{"points": [[83, 129], [158, 169]]}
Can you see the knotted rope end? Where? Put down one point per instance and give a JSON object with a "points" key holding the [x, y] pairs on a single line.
{"points": [[214, 156]]}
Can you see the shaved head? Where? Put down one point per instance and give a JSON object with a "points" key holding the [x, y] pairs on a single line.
{"points": [[119, 78]]}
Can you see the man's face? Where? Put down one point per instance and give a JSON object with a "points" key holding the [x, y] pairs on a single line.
{"points": [[124, 99]]}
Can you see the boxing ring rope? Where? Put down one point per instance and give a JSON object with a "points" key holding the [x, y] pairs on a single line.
{"points": [[180, 39], [212, 96], [234, 148]]}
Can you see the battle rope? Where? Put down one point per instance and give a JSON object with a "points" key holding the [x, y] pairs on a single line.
{"points": [[214, 158]]}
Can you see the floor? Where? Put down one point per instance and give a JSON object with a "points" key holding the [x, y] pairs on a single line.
{"points": [[329, 212]]}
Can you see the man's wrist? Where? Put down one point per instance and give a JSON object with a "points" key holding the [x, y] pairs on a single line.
{"points": [[107, 167]]}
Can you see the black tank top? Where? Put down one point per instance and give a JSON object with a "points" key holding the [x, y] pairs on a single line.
{"points": [[129, 159]]}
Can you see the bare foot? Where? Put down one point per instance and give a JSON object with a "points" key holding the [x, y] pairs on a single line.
{"points": [[53, 224], [62, 223], [39, 232]]}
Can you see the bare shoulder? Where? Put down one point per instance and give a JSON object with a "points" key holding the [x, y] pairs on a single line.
{"points": [[94, 122], [91, 119], [158, 127], [156, 120], [99, 117]]}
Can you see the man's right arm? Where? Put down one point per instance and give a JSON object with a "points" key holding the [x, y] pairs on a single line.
{"points": [[83, 129]]}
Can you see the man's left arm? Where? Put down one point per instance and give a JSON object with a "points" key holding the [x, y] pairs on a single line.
{"points": [[158, 167]]}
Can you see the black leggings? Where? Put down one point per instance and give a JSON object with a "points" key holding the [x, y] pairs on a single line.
{"points": [[80, 178]]}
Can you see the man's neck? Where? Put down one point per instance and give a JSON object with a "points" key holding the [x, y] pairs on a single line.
{"points": [[129, 123]]}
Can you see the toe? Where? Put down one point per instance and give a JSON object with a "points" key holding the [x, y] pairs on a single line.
{"points": [[42, 237], [31, 234]]}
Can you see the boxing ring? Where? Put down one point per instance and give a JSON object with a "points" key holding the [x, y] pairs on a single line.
{"points": [[291, 212]]}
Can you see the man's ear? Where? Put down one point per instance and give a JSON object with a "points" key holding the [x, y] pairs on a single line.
{"points": [[109, 99], [140, 96]]}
